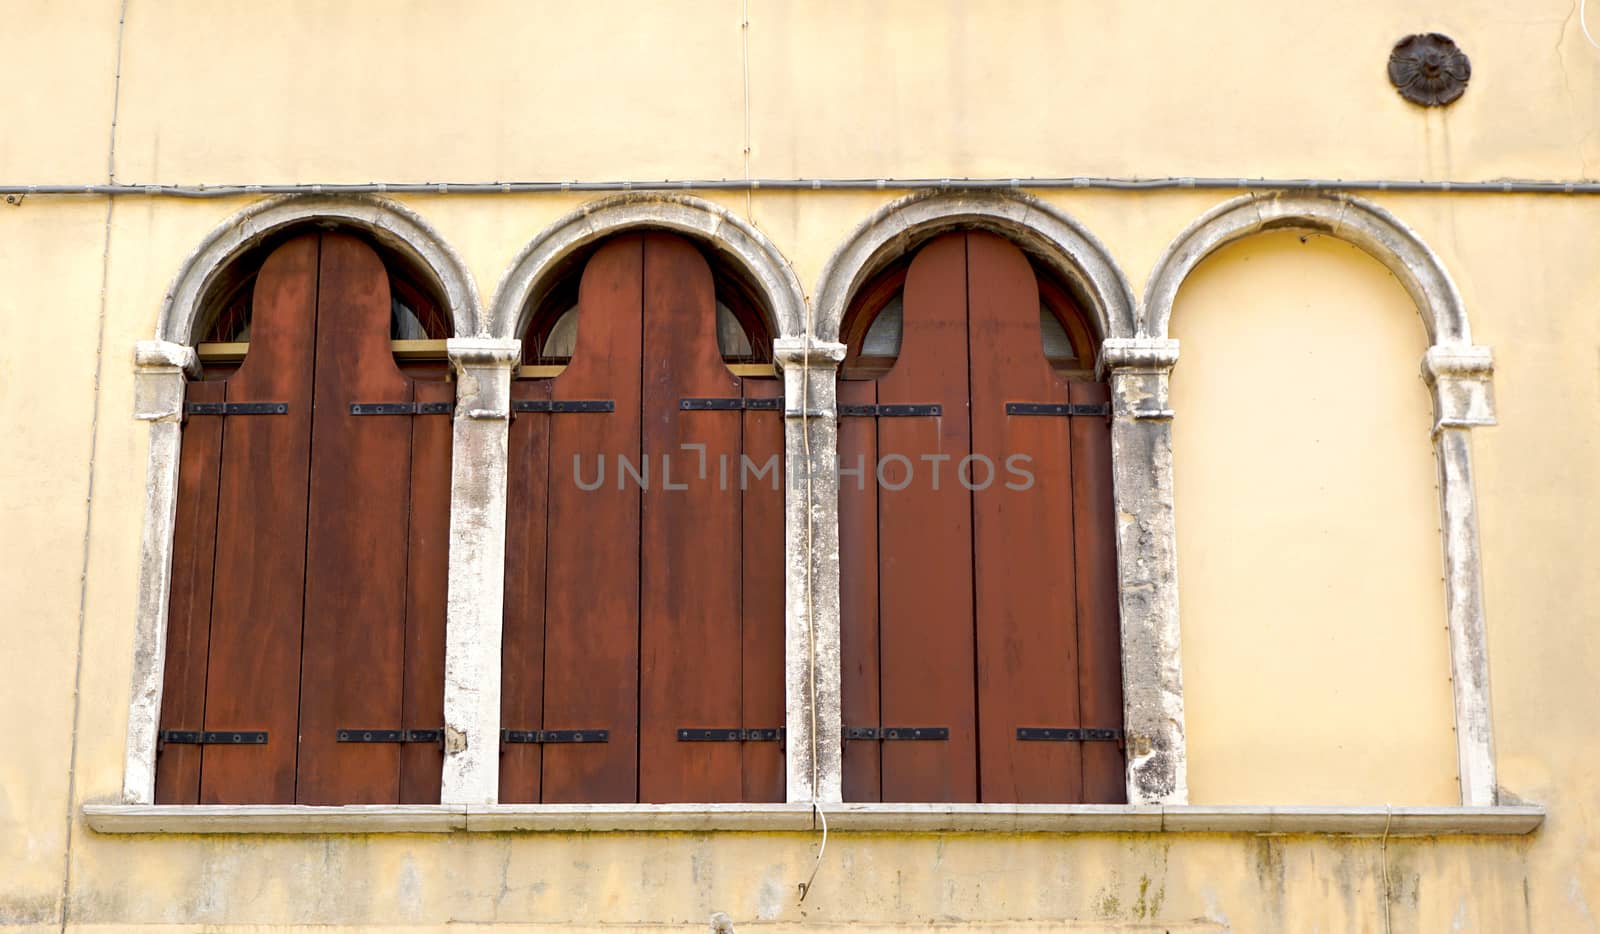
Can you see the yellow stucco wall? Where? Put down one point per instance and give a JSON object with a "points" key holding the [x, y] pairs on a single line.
{"points": [[286, 91]]}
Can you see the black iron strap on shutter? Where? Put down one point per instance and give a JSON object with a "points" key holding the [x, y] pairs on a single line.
{"points": [[897, 732], [402, 408], [1068, 734], [734, 404], [890, 411], [236, 408], [1059, 409], [391, 736], [732, 735], [564, 406], [555, 736], [214, 737]]}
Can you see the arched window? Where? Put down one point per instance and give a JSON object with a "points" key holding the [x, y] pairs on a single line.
{"points": [[643, 631], [305, 652], [981, 654]]}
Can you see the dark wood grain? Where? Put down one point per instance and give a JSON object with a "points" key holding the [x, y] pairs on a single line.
{"points": [[355, 589], [858, 591], [522, 638], [591, 659], [925, 540], [427, 582], [194, 545], [253, 675], [1099, 629], [762, 594], [1023, 538], [690, 645]]}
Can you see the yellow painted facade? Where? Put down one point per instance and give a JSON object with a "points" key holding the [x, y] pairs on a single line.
{"points": [[1315, 657]]}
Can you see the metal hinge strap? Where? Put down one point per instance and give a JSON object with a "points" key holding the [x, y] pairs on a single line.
{"points": [[214, 737], [1068, 734], [558, 406], [391, 736], [236, 408], [1058, 408], [555, 736], [897, 732], [693, 735], [772, 404], [889, 411], [402, 408]]}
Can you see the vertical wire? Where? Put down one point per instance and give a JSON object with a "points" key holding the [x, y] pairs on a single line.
{"points": [[88, 509]]}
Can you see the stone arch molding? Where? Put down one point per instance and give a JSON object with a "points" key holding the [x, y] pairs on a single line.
{"points": [[1458, 373], [701, 220], [899, 227], [393, 225]]}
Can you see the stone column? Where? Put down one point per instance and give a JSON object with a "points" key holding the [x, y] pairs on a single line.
{"points": [[813, 727], [161, 371], [1459, 377], [484, 369], [1147, 567]]}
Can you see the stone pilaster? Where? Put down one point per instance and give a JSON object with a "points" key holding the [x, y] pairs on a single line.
{"points": [[1147, 567], [484, 370]]}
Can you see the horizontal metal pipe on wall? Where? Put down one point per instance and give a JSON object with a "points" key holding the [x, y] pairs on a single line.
{"points": [[1104, 183]]}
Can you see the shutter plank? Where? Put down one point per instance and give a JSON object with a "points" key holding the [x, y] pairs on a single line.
{"points": [[690, 645], [194, 541], [762, 595], [427, 581], [925, 540], [591, 659], [522, 631], [355, 591], [253, 678], [1099, 630], [858, 592], [1024, 570]]}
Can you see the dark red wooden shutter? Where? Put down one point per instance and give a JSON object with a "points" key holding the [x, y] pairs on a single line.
{"points": [[643, 611], [978, 596], [326, 606]]}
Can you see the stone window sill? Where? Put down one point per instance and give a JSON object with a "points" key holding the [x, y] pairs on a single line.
{"points": [[877, 818]]}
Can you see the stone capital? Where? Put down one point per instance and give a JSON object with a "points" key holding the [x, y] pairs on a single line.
{"points": [[484, 369], [1144, 354], [1461, 378]]}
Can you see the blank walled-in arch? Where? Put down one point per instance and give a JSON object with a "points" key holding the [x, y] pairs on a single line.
{"points": [[1459, 375], [1304, 493], [392, 225], [730, 239]]}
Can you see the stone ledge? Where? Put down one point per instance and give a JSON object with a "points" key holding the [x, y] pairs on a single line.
{"points": [[873, 818]]}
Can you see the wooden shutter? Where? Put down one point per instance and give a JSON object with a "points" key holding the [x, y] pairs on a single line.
{"points": [[652, 601], [977, 600], [324, 606]]}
